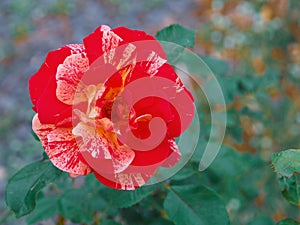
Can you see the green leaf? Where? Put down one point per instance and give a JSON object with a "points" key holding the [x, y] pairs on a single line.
{"points": [[195, 205], [45, 208], [177, 34], [288, 222], [291, 188], [45, 156], [287, 162], [174, 40], [79, 205], [162, 221], [109, 222], [261, 221], [124, 199], [35, 136], [184, 173], [22, 188]]}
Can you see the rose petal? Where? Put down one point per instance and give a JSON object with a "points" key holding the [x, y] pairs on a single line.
{"points": [[112, 87], [49, 108], [162, 108], [68, 77], [130, 179], [162, 70], [132, 35], [91, 142], [105, 46], [42, 86], [41, 130], [39, 81], [174, 157], [99, 143], [102, 42], [145, 44], [155, 156], [63, 152], [61, 147], [136, 176], [157, 107]]}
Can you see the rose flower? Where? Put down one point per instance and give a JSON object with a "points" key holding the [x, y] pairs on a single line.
{"points": [[111, 106]]}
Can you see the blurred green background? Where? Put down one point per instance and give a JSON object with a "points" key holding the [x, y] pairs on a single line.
{"points": [[253, 48]]}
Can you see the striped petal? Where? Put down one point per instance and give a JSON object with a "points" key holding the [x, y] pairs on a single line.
{"points": [[100, 147], [68, 78], [39, 81], [61, 147], [130, 179], [42, 86]]}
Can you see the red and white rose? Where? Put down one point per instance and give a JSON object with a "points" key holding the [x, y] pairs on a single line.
{"points": [[97, 105]]}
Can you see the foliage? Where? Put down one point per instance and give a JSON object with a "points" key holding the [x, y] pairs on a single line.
{"points": [[287, 162], [195, 205], [23, 187], [288, 222]]}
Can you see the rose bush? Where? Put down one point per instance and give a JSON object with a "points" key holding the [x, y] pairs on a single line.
{"points": [[97, 105]]}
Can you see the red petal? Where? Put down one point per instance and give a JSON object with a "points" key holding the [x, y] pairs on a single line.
{"points": [[158, 107], [127, 180], [49, 108], [112, 87], [174, 157], [42, 86], [155, 156], [93, 44], [132, 35], [167, 71], [100, 41], [39, 81], [144, 43], [130, 179], [107, 182], [100, 44]]}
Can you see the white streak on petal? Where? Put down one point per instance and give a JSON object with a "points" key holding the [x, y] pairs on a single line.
{"points": [[129, 181], [41, 130], [179, 85], [122, 156], [91, 142], [125, 181], [154, 62], [127, 58], [76, 48], [174, 157], [110, 41], [68, 76], [62, 150], [139, 179], [104, 28]]}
